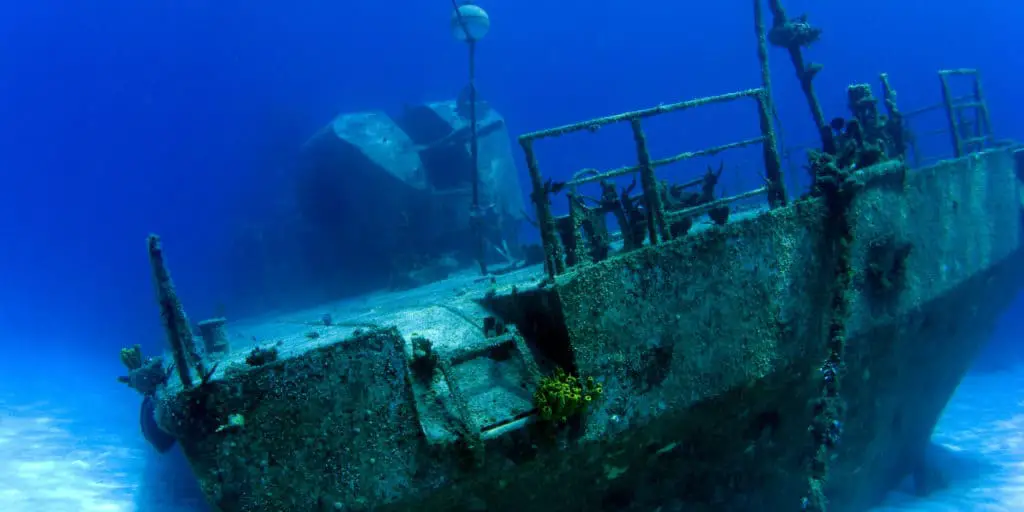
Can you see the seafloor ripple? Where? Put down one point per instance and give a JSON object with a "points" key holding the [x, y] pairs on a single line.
{"points": [[981, 441], [88, 458], [53, 463]]}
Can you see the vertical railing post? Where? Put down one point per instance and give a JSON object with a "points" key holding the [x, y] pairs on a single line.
{"points": [[805, 72], [772, 160], [579, 253], [984, 121], [914, 148], [951, 115], [899, 130], [766, 112], [652, 198], [553, 263]]}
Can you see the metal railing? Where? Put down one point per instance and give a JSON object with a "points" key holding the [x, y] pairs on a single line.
{"points": [[967, 133], [967, 136], [569, 230]]}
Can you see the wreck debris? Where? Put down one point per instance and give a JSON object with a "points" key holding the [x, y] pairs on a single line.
{"points": [[176, 326], [215, 336], [235, 422], [867, 138], [896, 126], [144, 375], [657, 229], [260, 356], [131, 358], [794, 35], [424, 359]]}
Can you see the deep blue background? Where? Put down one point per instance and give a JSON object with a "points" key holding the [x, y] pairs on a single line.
{"points": [[121, 118]]}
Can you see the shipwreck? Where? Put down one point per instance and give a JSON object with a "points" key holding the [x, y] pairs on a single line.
{"points": [[669, 350]]}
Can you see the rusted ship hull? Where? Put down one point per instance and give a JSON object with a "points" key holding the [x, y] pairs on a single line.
{"points": [[709, 349]]}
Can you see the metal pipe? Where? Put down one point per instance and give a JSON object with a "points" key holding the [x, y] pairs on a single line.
{"points": [[476, 216]]}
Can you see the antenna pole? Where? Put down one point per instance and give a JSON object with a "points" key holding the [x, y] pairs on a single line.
{"points": [[474, 151], [475, 215]]}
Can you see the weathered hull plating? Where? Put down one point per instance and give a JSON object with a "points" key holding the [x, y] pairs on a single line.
{"points": [[708, 349]]}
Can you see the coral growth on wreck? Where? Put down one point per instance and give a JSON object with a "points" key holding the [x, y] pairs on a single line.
{"points": [[562, 396]]}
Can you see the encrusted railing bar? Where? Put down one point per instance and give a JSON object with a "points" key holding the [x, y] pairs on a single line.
{"points": [[968, 104], [622, 171], [718, 203], [596, 123], [936, 106], [959, 71]]}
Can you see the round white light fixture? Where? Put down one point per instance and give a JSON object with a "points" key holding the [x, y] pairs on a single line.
{"points": [[470, 20]]}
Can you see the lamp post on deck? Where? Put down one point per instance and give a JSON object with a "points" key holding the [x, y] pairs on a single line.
{"points": [[470, 24]]}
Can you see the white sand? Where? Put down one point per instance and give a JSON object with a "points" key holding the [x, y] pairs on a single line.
{"points": [[982, 435], [51, 462]]}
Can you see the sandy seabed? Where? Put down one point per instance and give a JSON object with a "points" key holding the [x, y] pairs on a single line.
{"points": [[979, 445]]}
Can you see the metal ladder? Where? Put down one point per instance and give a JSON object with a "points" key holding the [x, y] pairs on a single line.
{"points": [[969, 133]]}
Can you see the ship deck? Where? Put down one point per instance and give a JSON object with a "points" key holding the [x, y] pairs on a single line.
{"points": [[414, 310]]}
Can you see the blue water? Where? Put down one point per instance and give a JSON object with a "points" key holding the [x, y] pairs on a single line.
{"points": [[121, 118]]}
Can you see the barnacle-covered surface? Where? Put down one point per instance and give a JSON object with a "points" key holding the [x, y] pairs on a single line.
{"points": [[708, 350], [725, 332]]}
